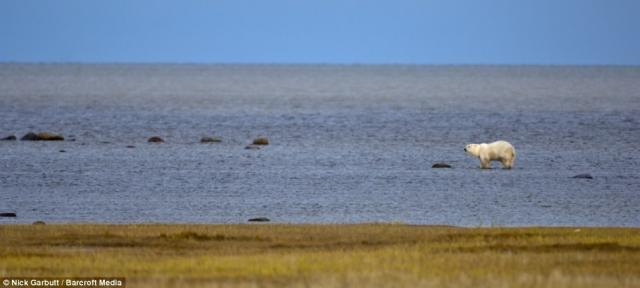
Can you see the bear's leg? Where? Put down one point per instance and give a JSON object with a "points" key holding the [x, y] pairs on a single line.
{"points": [[507, 163], [485, 163]]}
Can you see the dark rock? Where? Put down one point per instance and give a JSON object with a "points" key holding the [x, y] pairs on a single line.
{"points": [[261, 141], [42, 136], [131, 146], [440, 165], [155, 139], [9, 138], [8, 214], [210, 140], [30, 137], [45, 136], [259, 219], [252, 147], [38, 223], [583, 176], [62, 151]]}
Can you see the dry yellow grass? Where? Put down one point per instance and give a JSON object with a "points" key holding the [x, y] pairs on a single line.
{"points": [[366, 255]]}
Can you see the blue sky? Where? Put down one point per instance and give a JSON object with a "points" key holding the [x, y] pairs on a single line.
{"points": [[322, 31]]}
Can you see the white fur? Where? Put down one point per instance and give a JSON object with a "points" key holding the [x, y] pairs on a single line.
{"points": [[501, 151]]}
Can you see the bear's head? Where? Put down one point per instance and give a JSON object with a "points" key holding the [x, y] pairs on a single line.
{"points": [[472, 149]]}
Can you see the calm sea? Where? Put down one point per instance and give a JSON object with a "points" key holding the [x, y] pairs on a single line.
{"points": [[351, 143]]}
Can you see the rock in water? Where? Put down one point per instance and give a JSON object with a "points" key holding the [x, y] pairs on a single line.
{"points": [[42, 136], [210, 140], [9, 138], [259, 219], [46, 136], [8, 214], [261, 141], [252, 147], [155, 139], [440, 165], [38, 223], [583, 176], [30, 137]]}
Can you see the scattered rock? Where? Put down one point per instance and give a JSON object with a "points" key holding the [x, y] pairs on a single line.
{"points": [[259, 219], [9, 138], [131, 146], [210, 140], [155, 139], [30, 137], [42, 136], [62, 151], [8, 214], [440, 165], [252, 147], [583, 176], [45, 136], [38, 223], [261, 141]]}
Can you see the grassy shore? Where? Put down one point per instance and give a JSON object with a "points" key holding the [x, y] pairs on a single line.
{"points": [[366, 255]]}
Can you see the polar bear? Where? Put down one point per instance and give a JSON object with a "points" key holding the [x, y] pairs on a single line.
{"points": [[501, 151]]}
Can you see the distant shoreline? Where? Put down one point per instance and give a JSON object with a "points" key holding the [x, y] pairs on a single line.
{"points": [[294, 224]]}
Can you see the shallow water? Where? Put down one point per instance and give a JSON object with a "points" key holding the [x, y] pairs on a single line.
{"points": [[348, 144]]}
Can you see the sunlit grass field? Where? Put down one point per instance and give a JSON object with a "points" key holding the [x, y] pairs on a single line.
{"points": [[363, 255]]}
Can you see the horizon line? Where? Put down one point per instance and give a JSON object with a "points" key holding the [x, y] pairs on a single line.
{"points": [[2, 62]]}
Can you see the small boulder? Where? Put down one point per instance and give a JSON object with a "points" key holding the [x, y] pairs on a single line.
{"points": [[8, 214], [42, 136], [9, 138], [440, 165], [46, 136], [63, 151], [261, 141], [38, 223], [583, 176], [210, 140], [259, 219], [30, 137], [252, 147], [131, 146], [155, 139]]}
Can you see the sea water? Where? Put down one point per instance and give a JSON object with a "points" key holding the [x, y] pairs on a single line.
{"points": [[348, 144]]}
